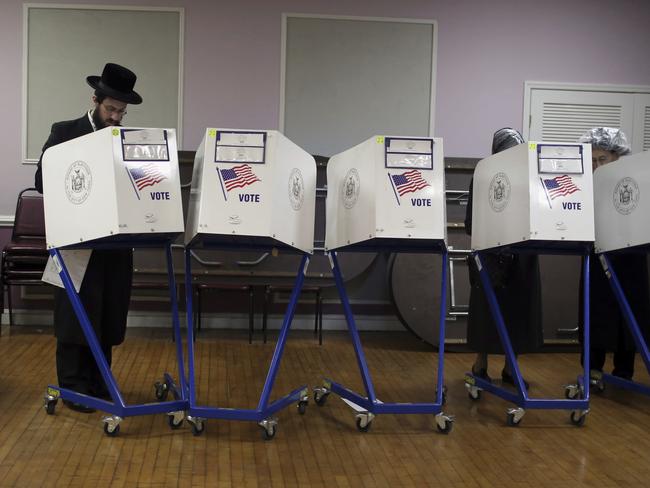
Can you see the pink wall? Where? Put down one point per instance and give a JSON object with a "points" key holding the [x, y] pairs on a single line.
{"points": [[486, 50]]}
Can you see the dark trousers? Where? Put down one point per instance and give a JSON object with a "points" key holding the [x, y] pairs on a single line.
{"points": [[623, 357], [623, 362], [77, 369]]}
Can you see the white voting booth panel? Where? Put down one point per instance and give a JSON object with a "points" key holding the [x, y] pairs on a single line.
{"points": [[622, 205], [386, 188], [535, 191], [112, 183], [252, 186]]}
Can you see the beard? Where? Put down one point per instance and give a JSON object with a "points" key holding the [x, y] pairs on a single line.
{"points": [[99, 122]]}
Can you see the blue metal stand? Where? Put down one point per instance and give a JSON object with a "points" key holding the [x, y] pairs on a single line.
{"points": [[369, 406], [118, 408], [630, 320], [577, 396], [264, 411]]}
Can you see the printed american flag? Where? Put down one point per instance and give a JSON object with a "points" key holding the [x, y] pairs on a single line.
{"points": [[408, 182], [238, 176], [147, 175], [560, 186]]}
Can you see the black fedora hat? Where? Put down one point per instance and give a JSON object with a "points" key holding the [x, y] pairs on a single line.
{"points": [[116, 82]]}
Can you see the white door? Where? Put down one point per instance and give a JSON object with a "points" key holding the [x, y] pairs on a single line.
{"points": [[641, 139], [564, 115]]}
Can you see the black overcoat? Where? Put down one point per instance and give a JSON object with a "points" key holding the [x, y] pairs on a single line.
{"points": [[106, 288], [608, 330], [517, 286]]}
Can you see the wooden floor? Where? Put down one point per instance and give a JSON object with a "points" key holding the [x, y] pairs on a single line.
{"points": [[323, 447]]}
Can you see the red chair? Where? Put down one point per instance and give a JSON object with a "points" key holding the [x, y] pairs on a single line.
{"points": [[25, 257]]}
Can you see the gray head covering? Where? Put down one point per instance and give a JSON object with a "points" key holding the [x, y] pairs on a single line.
{"points": [[505, 139], [608, 139]]}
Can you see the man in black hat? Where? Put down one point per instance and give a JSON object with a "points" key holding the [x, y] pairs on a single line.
{"points": [[106, 288]]}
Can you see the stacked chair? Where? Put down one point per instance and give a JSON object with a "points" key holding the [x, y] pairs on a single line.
{"points": [[25, 256]]}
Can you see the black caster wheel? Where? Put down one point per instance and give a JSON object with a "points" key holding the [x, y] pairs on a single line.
{"points": [[302, 407], [474, 395], [320, 398], [578, 419], [173, 424], [598, 387], [197, 428], [512, 421], [268, 433], [161, 391], [572, 393], [111, 432], [363, 425], [596, 383], [50, 406], [446, 429]]}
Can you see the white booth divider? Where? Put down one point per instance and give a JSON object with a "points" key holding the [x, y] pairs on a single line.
{"points": [[533, 192], [252, 184], [115, 183], [621, 191], [386, 188]]}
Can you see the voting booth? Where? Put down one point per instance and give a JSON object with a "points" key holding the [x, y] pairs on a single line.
{"points": [[252, 186], [386, 189], [110, 185], [114, 188], [386, 194], [621, 212], [251, 189], [534, 197], [533, 192], [622, 208]]}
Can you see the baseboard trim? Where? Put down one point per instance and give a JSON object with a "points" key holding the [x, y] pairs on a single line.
{"points": [[221, 321]]}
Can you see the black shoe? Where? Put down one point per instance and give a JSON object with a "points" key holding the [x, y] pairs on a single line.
{"points": [[596, 380], [78, 407], [508, 378], [481, 373]]}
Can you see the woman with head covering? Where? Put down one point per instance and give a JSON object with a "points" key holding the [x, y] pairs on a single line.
{"points": [[608, 329], [607, 145], [516, 282]]}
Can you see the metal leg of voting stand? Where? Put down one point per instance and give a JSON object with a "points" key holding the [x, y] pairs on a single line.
{"points": [[369, 406], [117, 408], [162, 388], [263, 414], [577, 396], [630, 320]]}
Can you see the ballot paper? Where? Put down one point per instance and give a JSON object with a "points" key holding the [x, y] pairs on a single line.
{"points": [[76, 261], [145, 136]]}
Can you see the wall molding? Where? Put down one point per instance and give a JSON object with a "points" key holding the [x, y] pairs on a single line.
{"points": [[40, 318], [7, 220]]}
